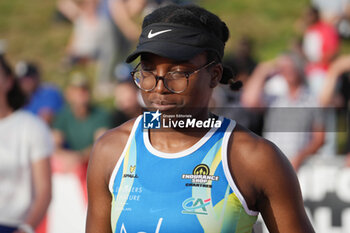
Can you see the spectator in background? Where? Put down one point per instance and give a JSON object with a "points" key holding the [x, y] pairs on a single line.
{"points": [[123, 20], [92, 41], [242, 63], [124, 13], [88, 33], [77, 126], [338, 73], [45, 100], [340, 66], [125, 96], [66, 11], [320, 45], [123, 28], [104, 31], [292, 120], [335, 12], [25, 146]]}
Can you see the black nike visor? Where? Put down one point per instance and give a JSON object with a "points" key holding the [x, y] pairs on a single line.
{"points": [[177, 42]]}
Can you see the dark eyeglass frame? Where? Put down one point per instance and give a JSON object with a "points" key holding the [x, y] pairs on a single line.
{"points": [[186, 74]]}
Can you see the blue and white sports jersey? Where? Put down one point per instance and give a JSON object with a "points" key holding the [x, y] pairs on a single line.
{"points": [[189, 191]]}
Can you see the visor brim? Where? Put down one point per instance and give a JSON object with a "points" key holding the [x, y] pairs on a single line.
{"points": [[178, 52]]}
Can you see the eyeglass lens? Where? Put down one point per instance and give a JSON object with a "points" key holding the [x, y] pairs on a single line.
{"points": [[173, 81]]}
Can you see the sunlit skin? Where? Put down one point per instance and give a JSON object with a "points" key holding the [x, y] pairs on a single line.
{"points": [[263, 175]]}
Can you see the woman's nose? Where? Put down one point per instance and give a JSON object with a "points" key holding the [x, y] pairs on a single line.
{"points": [[160, 85]]}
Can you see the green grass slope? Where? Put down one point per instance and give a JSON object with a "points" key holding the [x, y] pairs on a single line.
{"points": [[30, 32]]}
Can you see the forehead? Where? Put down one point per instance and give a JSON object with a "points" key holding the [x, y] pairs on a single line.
{"points": [[150, 58]]}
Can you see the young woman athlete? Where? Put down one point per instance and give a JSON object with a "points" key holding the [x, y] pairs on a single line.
{"points": [[176, 179]]}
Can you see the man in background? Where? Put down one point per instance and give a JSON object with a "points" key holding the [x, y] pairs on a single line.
{"points": [[45, 100], [77, 125]]}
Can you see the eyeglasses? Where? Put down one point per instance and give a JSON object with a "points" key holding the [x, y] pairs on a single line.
{"points": [[174, 81]]}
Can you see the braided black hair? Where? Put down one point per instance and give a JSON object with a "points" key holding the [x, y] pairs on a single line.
{"points": [[198, 17]]}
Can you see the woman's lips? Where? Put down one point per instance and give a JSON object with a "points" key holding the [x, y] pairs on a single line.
{"points": [[163, 105]]}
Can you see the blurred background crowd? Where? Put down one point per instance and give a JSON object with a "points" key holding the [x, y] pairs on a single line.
{"points": [[66, 58]]}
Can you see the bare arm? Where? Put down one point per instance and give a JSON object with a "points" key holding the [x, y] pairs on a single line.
{"points": [[99, 197], [270, 186], [69, 9], [42, 192], [104, 157], [317, 140], [253, 89], [338, 67], [280, 201], [123, 12]]}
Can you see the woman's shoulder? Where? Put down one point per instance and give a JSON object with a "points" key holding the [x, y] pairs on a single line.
{"points": [[109, 147], [257, 160], [251, 149], [117, 137]]}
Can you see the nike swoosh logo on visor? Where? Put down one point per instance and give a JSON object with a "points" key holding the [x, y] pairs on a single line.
{"points": [[151, 35]]}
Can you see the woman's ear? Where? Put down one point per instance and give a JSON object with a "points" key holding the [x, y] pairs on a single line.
{"points": [[216, 75]]}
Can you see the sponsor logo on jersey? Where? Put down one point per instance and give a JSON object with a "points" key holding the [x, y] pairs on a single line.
{"points": [[132, 168], [195, 206], [127, 194], [132, 173], [200, 177]]}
